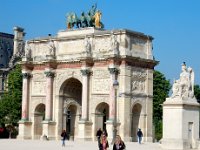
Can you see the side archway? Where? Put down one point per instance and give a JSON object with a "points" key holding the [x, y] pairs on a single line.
{"points": [[101, 115], [39, 116], [135, 120]]}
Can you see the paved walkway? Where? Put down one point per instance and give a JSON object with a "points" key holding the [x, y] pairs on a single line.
{"points": [[11, 144]]}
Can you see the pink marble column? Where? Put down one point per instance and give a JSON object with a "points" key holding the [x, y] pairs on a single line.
{"points": [[112, 103], [25, 95], [49, 95], [85, 93]]}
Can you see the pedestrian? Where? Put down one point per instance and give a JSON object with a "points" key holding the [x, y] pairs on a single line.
{"points": [[103, 142], [98, 135], [119, 144], [64, 136], [140, 135]]}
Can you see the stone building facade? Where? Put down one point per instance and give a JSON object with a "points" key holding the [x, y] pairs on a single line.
{"points": [[6, 52], [68, 84]]}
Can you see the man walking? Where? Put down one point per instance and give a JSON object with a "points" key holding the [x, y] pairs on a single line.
{"points": [[140, 135], [64, 136]]}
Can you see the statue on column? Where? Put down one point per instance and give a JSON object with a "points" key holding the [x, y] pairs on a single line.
{"points": [[87, 51], [184, 87], [27, 50], [114, 44]]}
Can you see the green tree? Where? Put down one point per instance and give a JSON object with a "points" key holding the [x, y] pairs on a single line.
{"points": [[197, 92], [10, 104], [161, 88]]}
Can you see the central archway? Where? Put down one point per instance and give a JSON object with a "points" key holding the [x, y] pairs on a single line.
{"points": [[72, 100]]}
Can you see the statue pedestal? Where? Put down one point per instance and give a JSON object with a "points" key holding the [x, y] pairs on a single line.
{"points": [[84, 131], [180, 124], [24, 129], [50, 57], [48, 130]]}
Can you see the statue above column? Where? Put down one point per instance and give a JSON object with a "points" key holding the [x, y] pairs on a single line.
{"points": [[183, 88]]}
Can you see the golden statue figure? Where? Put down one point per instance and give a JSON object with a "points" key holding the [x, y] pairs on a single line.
{"points": [[97, 18]]}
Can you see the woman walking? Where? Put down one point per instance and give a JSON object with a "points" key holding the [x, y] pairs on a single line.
{"points": [[103, 143], [119, 144]]}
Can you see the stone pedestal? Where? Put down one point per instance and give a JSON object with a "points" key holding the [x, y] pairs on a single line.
{"points": [[50, 57], [48, 130], [24, 130], [110, 127], [84, 131], [180, 124]]}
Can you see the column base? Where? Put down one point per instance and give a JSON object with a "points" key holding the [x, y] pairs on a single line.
{"points": [[177, 144], [84, 131], [48, 130], [24, 129], [112, 130]]}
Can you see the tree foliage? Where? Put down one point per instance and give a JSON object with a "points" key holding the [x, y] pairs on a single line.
{"points": [[161, 88], [10, 104], [197, 92]]}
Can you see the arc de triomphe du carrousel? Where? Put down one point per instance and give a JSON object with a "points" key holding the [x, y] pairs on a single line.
{"points": [[69, 82]]}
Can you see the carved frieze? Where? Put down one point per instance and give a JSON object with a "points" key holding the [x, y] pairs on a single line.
{"points": [[138, 80], [101, 81], [100, 98], [102, 49], [101, 86], [39, 88], [39, 84], [138, 47], [39, 77], [101, 74]]}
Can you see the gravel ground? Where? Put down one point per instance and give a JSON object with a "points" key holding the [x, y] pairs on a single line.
{"points": [[11, 144]]}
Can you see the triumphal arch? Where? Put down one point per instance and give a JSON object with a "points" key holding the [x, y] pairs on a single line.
{"points": [[68, 84]]}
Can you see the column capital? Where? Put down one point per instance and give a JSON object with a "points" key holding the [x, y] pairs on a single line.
{"points": [[26, 75], [86, 72], [113, 70], [49, 74]]}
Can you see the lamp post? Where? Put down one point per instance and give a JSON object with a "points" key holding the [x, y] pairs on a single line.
{"points": [[115, 87]]}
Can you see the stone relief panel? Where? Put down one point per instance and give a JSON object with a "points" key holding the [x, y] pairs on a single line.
{"points": [[102, 46], [39, 84], [39, 88], [101, 82], [138, 47], [40, 49], [138, 80], [71, 47], [100, 98]]}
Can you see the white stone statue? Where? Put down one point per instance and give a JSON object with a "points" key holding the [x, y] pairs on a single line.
{"points": [[184, 87], [51, 47], [87, 45], [27, 50], [114, 44]]}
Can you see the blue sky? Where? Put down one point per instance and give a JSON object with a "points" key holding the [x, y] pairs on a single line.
{"points": [[175, 24]]}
